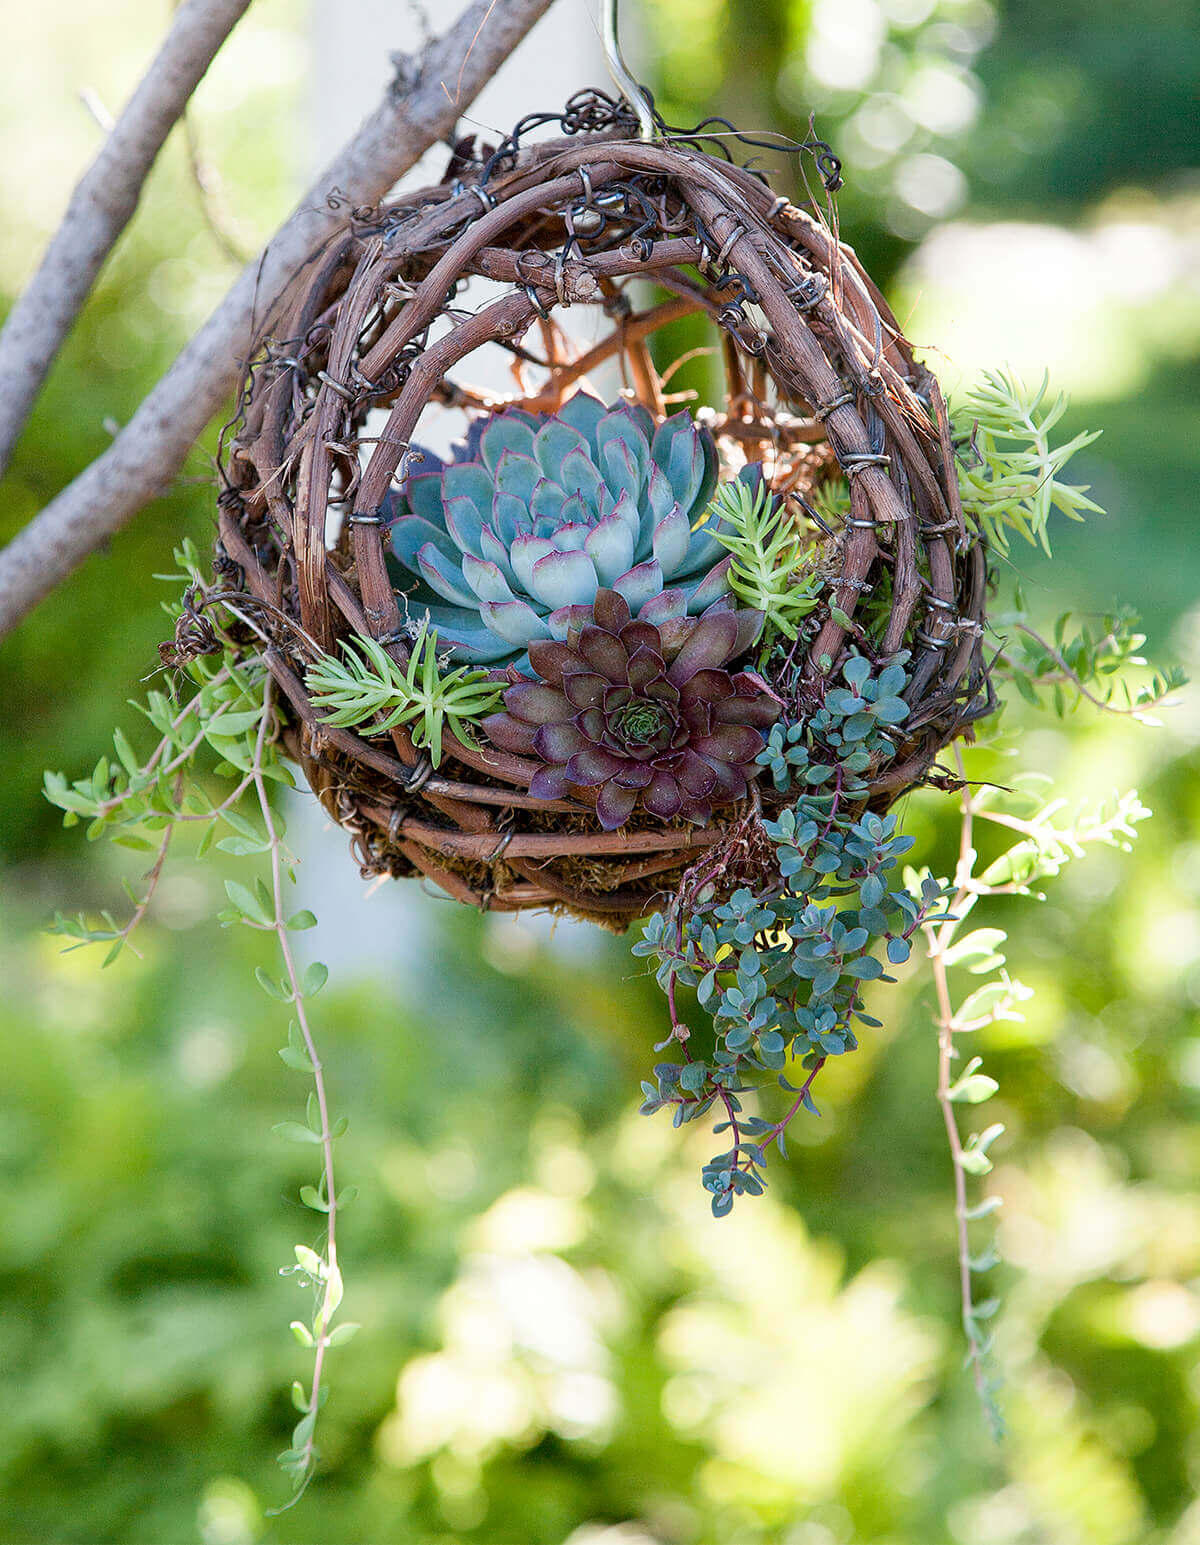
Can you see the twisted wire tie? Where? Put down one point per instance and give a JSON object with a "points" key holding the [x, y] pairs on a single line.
{"points": [[859, 461], [485, 198], [932, 643], [585, 177], [860, 525], [937, 601], [374, 518], [810, 293], [945, 525], [420, 775], [727, 246], [822, 410], [335, 386], [500, 849], [535, 301]]}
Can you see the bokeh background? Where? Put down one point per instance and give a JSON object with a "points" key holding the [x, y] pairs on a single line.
{"points": [[559, 1343]]}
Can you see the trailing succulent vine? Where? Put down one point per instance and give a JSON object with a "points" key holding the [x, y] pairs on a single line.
{"points": [[224, 724], [630, 623], [780, 964]]}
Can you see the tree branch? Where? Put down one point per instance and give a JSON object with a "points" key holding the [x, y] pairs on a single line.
{"points": [[102, 205], [144, 457]]}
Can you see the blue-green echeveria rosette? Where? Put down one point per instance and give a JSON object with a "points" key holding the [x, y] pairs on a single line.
{"points": [[535, 514], [646, 715]]}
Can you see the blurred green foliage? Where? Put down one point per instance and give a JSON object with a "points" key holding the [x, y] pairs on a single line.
{"points": [[560, 1343]]}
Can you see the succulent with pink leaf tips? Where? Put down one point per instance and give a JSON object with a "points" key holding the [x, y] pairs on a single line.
{"points": [[644, 714], [510, 541]]}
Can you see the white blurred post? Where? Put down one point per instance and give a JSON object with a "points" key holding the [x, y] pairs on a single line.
{"points": [[352, 44]]}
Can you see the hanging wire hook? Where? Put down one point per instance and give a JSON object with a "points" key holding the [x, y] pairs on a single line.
{"points": [[623, 78]]}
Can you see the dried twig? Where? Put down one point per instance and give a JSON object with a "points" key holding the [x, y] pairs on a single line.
{"points": [[102, 205], [144, 457]]}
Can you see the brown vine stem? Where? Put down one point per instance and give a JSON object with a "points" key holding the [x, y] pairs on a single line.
{"points": [[332, 1283], [153, 875], [939, 936]]}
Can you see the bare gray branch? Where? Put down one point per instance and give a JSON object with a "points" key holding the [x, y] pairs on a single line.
{"points": [[101, 207], [145, 456]]}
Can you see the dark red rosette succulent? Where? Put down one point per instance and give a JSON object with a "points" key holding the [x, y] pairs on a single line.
{"points": [[642, 712]]}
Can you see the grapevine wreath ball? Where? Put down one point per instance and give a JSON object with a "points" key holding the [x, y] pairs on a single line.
{"points": [[615, 601], [615, 651]]}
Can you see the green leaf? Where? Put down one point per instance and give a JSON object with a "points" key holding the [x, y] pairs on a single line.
{"points": [[983, 1001], [339, 1336], [974, 1157], [293, 1132], [693, 1077], [977, 951], [301, 920], [314, 978], [303, 1335], [247, 903], [296, 1059], [232, 725], [138, 844], [243, 847], [333, 1294], [311, 1197], [270, 986], [973, 1090]]}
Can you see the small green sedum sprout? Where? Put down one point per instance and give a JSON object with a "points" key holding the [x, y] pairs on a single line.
{"points": [[772, 571], [1009, 478], [419, 695]]}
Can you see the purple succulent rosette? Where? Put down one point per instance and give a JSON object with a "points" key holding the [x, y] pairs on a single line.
{"points": [[642, 713], [535, 514]]}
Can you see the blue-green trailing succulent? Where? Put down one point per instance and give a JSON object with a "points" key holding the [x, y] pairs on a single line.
{"points": [[510, 540]]}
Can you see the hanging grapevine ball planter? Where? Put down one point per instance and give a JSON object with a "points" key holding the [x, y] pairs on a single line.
{"points": [[640, 596]]}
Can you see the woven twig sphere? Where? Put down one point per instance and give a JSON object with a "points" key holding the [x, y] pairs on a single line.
{"points": [[382, 323]]}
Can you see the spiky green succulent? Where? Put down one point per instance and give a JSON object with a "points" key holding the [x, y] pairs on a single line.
{"points": [[511, 540]]}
